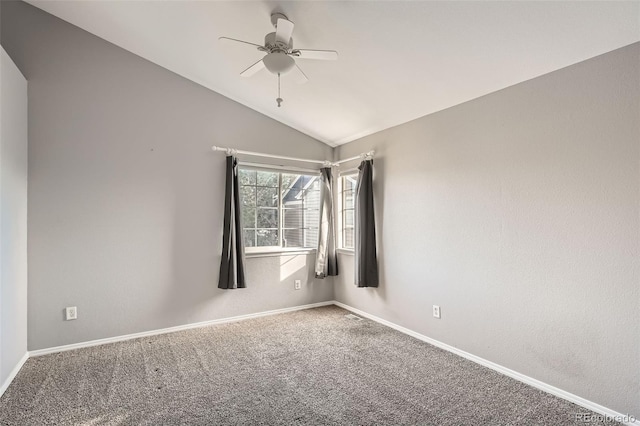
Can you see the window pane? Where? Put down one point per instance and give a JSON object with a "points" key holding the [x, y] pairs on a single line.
{"points": [[291, 181], [248, 217], [311, 237], [347, 235], [249, 238], [269, 179], [267, 237], [267, 218], [349, 183], [292, 198], [348, 218], [301, 200], [311, 218], [293, 238], [292, 218], [247, 177], [248, 195], [348, 199], [267, 197], [312, 199]]}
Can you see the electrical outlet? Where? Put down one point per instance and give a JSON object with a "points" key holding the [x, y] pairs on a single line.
{"points": [[71, 313], [436, 311], [297, 284]]}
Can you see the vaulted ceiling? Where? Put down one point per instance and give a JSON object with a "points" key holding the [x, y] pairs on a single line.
{"points": [[397, 60]]}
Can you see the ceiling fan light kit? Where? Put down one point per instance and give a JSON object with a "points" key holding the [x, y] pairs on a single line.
{"points": [[280, 54], [278, 62]]}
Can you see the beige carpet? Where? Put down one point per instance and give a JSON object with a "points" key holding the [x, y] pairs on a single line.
{"points": [[307, 367]]}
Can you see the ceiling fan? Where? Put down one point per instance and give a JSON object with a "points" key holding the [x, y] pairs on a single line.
{"points": [[280, 54]]}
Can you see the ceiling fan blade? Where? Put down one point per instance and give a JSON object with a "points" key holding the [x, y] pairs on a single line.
{"points": [[298, 75], [325, 55], [253, 69], [284, 30], [227, 39]]}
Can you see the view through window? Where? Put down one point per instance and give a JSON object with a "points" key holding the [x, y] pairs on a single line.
{"points": [[279, 209], [347, 197]]}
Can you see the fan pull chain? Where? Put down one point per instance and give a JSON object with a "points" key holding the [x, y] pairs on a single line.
{"points": [[279, 99]]}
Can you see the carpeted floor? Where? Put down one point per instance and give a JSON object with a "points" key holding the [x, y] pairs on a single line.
{"points": [[307, 367]]}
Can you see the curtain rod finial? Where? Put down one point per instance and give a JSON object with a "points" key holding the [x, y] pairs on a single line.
{"points": [[367, 155], [229, 151]]}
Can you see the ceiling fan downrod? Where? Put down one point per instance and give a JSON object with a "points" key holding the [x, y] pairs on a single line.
{"points": [[279, 99]]}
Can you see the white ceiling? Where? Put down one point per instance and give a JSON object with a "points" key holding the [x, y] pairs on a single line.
{"points": [[398, 60]]}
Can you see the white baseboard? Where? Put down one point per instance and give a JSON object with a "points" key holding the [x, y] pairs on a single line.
{"points": [[14, 373], [114, 339], [597, 408]]}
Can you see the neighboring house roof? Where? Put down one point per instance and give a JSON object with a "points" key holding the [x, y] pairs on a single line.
{"points": [[295, 191]]}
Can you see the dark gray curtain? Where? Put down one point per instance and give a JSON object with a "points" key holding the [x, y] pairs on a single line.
{"points": [[326, 259], [366, 261], [232, 261]]}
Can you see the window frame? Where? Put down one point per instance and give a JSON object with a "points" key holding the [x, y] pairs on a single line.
{"points": [[341, 209], [260, 251]]}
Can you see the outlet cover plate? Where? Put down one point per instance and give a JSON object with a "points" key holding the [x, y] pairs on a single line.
{"points": [[70, 313], [436, 311]]}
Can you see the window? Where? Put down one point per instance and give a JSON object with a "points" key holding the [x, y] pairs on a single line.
{"points": [[279, 209], [347, 196]]}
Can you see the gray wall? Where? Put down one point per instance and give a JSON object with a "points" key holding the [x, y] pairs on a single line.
{"points": [[13, 216], [518, 213], [125, 195]]}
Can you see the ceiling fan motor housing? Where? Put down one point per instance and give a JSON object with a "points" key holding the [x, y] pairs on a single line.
{"points": [[271, 44], [275, 16]]}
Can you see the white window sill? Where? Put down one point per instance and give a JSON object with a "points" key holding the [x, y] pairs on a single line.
{"points": [[279, 252], [345, 251]]}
